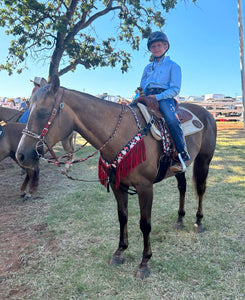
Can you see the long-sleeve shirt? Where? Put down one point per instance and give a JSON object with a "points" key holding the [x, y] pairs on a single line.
{"points": [[165, 74]]}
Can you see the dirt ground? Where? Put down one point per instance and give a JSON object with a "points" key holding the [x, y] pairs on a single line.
{"points": [[23, 238]]}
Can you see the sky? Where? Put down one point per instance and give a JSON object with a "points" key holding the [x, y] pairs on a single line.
{"points": [[204, 41]]}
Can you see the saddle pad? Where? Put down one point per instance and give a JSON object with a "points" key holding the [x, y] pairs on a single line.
{"points": [[189, 127], [193, 125]]}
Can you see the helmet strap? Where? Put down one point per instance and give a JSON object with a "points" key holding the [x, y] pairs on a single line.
{"points": [[157, 57]]}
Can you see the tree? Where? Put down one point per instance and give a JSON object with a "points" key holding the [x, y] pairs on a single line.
{"points": [[64, 33]]}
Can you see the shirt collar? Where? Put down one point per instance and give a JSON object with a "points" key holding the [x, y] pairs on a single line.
{"points": [[163, 59]]}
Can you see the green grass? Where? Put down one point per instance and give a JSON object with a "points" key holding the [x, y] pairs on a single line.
{"points": [[83, 218]]}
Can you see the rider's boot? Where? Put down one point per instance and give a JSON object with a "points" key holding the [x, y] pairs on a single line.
{"points": [[179, 166]]}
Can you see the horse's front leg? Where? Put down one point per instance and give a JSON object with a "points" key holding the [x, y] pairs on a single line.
{"points": [[145, 195], [121, 196], [182, 190]]}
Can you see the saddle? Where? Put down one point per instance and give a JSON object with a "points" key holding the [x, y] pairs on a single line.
{"points": [[149, 108]]}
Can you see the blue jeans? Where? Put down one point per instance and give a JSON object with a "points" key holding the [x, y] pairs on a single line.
{"points": [[168, 109]]}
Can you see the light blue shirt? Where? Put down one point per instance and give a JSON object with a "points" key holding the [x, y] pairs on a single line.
{"points": [[165, 74]]}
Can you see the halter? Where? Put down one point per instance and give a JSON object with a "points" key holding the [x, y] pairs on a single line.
{"points": [[42, 136]]}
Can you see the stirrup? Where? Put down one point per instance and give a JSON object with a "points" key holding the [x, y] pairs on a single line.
{"points": [[182, 162]]}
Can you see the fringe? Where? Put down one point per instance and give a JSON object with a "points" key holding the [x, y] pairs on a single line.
{"points": [[131, 160], [103, 172]]}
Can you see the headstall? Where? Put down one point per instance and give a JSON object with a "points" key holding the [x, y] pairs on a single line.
{"points": [[41, 137]]}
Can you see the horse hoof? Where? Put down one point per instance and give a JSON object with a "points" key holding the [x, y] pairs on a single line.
{"points": [[116, 260], [179, 225], [199, 228], [26, 197], [143, 272], [22, 194]]}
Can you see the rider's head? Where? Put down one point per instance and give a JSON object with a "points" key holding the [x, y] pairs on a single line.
{"points": [[158, 36]]}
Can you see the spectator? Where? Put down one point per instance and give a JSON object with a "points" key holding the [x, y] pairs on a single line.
{"points": [[38, 82]]}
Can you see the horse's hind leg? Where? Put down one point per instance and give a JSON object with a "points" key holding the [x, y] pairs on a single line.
{"points": [[182, 189], [121, 196], [200, 173]]}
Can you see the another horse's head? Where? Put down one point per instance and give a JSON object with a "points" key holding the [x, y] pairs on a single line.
{"points": [[45, 126]]}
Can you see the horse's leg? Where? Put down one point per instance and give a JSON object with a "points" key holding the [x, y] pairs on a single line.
{"points": [[182, 189], [32, 177], [121, 196], [200, 173], [24, 185], [68, 145], [145, 195]]}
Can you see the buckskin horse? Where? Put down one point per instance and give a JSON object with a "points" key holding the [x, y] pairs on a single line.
{"points": [[10, 135], [57, 111], [13, 115]]}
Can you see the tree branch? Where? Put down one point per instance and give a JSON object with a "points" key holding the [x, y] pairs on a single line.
{"points": [[82, 24]]}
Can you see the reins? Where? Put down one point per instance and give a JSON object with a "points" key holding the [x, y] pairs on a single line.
{"points": [[54, 159], [95, 152]]}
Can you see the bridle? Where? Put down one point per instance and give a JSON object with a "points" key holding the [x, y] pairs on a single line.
{"points": [[41, 137]]}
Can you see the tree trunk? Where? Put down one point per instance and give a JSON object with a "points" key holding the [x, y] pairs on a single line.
{"points": [[56, 56]]}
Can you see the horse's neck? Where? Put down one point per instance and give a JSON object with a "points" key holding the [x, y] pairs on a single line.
{"points": [[94, 119]]}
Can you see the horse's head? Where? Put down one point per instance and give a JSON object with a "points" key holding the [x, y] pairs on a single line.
{"points": [[45, 126]]}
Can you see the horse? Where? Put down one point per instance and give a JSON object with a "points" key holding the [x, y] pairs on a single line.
{"points": [[108, 127], [10, 135], [10, 114], [13, 115]]}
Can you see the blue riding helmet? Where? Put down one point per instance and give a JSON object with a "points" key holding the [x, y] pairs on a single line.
{"points": [[156, 37]]}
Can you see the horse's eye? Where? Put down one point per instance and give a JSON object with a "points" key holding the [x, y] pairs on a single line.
{"points": [[43, 114]]}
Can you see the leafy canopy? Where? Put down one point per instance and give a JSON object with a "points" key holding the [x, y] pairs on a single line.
{"points": [[64, 32]]}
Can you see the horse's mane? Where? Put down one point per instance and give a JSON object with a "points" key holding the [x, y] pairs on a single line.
{"points": [[41, 92], [80, 93], [92, 97]]}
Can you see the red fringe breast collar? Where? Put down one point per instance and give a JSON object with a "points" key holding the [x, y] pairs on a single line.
{"points": [[129, 158]]}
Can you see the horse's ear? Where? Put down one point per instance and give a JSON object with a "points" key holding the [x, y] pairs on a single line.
{"points": [[43, 82], [54, 84]]}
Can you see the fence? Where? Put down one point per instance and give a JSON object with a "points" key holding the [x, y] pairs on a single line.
{"points": [[224, 111]]}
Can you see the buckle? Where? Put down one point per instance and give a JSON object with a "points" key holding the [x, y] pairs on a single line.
{"points": [[44, 132]]}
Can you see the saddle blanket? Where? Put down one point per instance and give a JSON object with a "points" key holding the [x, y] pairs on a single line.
{"points": [[189, 126]]}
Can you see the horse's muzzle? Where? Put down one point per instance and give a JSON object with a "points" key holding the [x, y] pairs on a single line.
{"points": [[28, 157]]}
